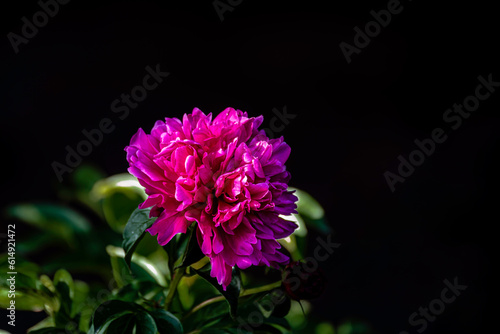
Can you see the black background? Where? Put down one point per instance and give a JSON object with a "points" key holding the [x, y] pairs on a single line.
{"points": [[352, 122]]}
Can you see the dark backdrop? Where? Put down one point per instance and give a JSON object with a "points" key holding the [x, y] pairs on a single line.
{"points": [[352, 122]]}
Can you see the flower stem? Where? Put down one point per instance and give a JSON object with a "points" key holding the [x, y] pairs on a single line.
{"points": [[178, 273], [242, 294], [261, 288]]}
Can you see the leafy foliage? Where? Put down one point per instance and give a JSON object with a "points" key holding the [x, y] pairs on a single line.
{"points": [[101, 272]]}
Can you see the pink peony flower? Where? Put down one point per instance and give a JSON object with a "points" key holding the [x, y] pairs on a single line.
{"points": [[225, 175]]}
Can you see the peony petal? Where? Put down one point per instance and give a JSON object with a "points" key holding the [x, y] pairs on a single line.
{"points": [[227, 176], [167, 228]]}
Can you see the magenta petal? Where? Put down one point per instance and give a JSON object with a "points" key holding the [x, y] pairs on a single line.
{"points": [[221, 271], [182, 195], [152, 200], [281, 153], [226, 176], [218, 246], [166, 228]]}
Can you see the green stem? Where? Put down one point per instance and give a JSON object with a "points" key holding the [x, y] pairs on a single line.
{"points": [[242, 294], [178, 273], [261, 288]]}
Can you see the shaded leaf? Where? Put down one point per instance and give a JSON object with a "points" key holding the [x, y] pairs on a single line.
{"points": [[23, 282], [63, 276], [141, 268], [193, 253], [79, 297], [124, 324], [85, 176], [145, 324], [206, 316], [34, 242], [118, 206], [282, 307], [60, 220], [140, 289], [311, 211], [63, 315], [109, 311], [118, 182], [193, 290], [134, 231], [45, 323], [232, 291], [175, 249], [166, 322], [24, 301]]}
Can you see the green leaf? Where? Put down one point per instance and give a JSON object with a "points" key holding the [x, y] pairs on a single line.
{"points": [[63, 315], [145, 324], [116, 316], [87, 258], [232, 291], [134, 231], [63, 276], [274, 304], [137, 290], [207, 316], [141, 268], [311, 211], [193, 290], [59, 220], [166, 322], [45, 323], [24, 301], [45, 285], [119, 196], [35, 242], [79, 297], [24, 282], [109, 311], [175, 249], [122, 274], [85, 176], [193, 252], [124, 324], [118, 182], [282, 308], [118, 206]]}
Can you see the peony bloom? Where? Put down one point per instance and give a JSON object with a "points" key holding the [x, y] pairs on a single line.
{"points": [[225, 175]]}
